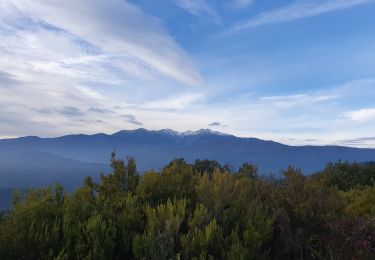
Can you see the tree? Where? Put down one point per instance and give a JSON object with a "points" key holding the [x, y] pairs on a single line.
{"points": [[161, 239]]}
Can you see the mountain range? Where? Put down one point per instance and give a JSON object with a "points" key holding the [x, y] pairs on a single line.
{"points": [[33, 161]]}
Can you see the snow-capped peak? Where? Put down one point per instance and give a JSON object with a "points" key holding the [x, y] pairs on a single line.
{"points": [[169, 131], [202, 132]]}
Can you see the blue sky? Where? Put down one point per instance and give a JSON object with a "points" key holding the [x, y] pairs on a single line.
{"points": [[298, 72]]}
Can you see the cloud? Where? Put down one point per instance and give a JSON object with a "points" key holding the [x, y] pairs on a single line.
{"points": [[99, 121], [362, 115], [297, 10], [119, 30], [364, 142], [61, 66], [7, 79], [358, 141], [242, 3], [70, 111], [311, 140], [100, 110], [90, 121], [14, 125], [199, 8], [131, 119], [308, 99], [66, 111], [215, 124], [177, 102]]}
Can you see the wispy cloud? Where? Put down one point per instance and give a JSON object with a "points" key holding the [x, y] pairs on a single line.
{"points": [[242, 3], [199, 7], [68, 111], [358, 141], [131, 119], [99, 110], [174, 102], [63, 63], [364, 142], [297, 10], [118, 29], [288, 101]]}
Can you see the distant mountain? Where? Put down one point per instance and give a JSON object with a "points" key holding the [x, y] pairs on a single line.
{"points": [[34, 168], [33, 161]]}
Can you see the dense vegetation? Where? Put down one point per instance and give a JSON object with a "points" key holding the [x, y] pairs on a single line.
{"points": [[199, 211]]}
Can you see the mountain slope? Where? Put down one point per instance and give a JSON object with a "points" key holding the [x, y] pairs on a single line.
{"points": [[36, 169], [35, 162], [152, 149]]}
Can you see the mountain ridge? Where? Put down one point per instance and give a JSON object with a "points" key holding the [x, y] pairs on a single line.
{"points": [[33, 161], [171, 132]]}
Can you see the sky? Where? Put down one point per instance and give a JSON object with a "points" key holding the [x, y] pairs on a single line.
{"points": [[300, 72]]}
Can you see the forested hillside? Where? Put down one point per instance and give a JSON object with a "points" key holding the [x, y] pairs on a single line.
{"points": [[197, 211]]}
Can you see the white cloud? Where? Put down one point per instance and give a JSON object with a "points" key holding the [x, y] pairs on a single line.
{"points": [[297, 10], [116, 28], [362, 115], [62, 59], [199, 8], [300, 99], [175, 102]]}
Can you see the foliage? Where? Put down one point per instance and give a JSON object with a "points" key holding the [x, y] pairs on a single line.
{"points": [[197, 211]]}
